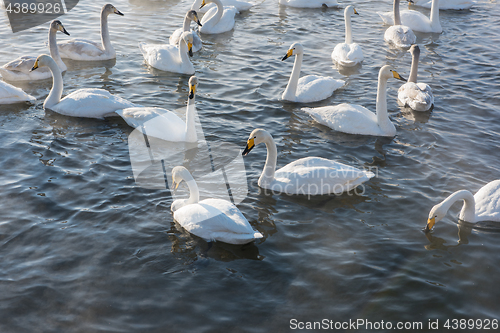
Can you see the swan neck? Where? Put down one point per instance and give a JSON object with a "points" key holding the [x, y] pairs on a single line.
{"points": [[348, 33], [187, 23], [55, 94], [382, 117], [267, 175], [291, 88], [183, 51], [468, 212], [414, 67], [106, 42], [397, 17], [196, 5], [190, 121], [435, 14], [218, 14], [53, 49], [194, 193]]}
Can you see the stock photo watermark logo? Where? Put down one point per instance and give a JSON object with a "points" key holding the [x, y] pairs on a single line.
{"points": [[26, 14]]}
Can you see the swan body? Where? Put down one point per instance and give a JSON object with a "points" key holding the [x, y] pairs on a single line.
{"points": [[174, 38], [210, 219], [310, 88], [170, 58], [416, 20], [87, 50], [10, 94], [164, 124], [307, 176], [239, 5], [348, 54], [483, 206], [417, 96], [20, 68], [446, 4], [356, 119], [90, 103], [309, 3], [397, 34], [217, 20]]}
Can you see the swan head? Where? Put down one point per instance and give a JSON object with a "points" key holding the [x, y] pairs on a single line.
{"points": [[187, 37], [350, 10], [437, 213], [414, 50], [193, 83], [180, 173], [386, 72], [110, 9], [58, 26], [257, 136], [42, 60], [193, 16], [295, 48]]}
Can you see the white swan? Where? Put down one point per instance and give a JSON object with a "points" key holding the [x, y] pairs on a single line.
{"points": [[309, 3], [348, 54], [210, 219], [89, 103], [87, 50], [164, 124], [239, 5], [218, 19], [446, 4], [399, 35], [416, 20], [190, 16], [170, 58], [483, 206], [356, 119], [308, 175], [310, 88], [20, 68], [417, 96], [10, 94]]}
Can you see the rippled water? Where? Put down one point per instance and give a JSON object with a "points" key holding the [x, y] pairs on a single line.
{"points": [[84, 248]]}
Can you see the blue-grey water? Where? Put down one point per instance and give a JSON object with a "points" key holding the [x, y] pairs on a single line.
{"points": [[84, 248]]}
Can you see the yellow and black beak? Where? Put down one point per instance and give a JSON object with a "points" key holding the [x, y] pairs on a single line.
{"points": [[35, 66], [63, 30], [411, 1], [397, 76], [192, 91], [203, 4], [118, 12], [250, 145], [190, 49], [355, 12], [430, 224], [175, 185], [287, 55]]}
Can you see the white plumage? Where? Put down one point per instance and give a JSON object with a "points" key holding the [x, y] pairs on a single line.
{"points": [[176, 35], [218, 19], [348, 54], [416, 20], [10, 94]]}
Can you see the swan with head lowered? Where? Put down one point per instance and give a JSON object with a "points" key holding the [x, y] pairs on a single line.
{"points": [[416, 20], [309, 3], [445, 4], [310, 88], [87, 50], [89, 103], [348, 54], [356, 119], [239, 5], [483, 206], [210, 219], [417, 96], [397, 34], [164, 124], [217, 20], [190, 16], [306, 176], [11, 95], [20, 68]]}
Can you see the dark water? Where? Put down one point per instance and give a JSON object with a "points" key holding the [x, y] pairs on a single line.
{"points": [[84, 248]]}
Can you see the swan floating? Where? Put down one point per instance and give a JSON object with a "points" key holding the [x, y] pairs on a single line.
{"points": [[20, 68], [483, 206], [308, 175], [190, 16], [416, 20], [170, 58], [10, 94], [356, 119], [446, 4], [164, 124], [417, 96], [309, 3], [239, 5], [89, 103], [210, 219], [217, 20], [348, 54], [87, 50], [310, 88], [399, 35]]}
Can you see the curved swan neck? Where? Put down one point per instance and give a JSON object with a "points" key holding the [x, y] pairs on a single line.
{"points": [[267, 175], [53, 49], [196, 5], [194, 193], [397, 17], [383, 120], [291, 88], [414, 66], [218, 14], [106, 42], [348, 33], [468, 212], [190, 120], [435, 15], [55, 94]]}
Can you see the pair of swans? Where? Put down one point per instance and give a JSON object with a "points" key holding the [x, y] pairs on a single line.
{"points": [[239, 5], [20, 68], [307, 176], [186, 27], [356, 119], [399, 35], [309, 3], [416, 20], [310, 88], [348, 54]]}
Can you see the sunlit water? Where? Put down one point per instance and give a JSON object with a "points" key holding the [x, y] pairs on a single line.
{"points": [[84, 248]]}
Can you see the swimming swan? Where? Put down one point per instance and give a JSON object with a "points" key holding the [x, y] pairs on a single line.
{"points": [[210, 219], [90, 103], [446, 4], [416, 20], [309, 3], [19, 69], [170, 58], [399, 35], [190, 16], [348, 54], [483, 206], [310, 88], [308, 175], [164, 124], [239, 5], [417, 96], [356, 119], [10, 94], [218, 19], [87, 50]]}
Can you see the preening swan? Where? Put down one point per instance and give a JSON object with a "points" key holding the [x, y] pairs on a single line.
{"points": [[90, 103], [348, 54], [416, 20], [217, 20], [87, 50], [308, 175], [190, 16], [417, 96], [310, 88], [20, 68], [210, 219], [164, 124], [399, 35], [446, 4], [356, 119], [170, 58], [309, 3], [239, 5], [483, 206], [10, 94]]}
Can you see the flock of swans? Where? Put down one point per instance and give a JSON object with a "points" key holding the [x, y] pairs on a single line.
{"points": [[216, 219]]}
